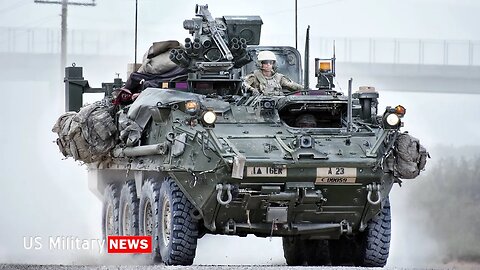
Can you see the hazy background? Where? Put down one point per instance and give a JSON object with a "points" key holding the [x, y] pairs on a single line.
{"points": [[43, 195]]}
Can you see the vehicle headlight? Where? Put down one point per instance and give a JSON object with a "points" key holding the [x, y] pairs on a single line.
{"points": [[209, 117], [392, 119]]}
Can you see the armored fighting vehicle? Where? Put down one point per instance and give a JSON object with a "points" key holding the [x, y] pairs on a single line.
{"points": [[199, 155]]}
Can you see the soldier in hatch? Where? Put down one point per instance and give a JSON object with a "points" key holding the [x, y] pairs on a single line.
{"points": [[265, 80]]}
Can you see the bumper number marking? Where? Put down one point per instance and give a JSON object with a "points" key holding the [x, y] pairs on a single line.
{"points": [[336, 175], [266, 172]]}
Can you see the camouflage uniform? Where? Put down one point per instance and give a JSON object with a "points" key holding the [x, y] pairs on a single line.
{"points": [[257, 83]]}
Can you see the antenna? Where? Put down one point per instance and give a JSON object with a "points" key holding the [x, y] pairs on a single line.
{"points": [[136, 20], [333, 59], [333, 48], [296, 26], [307, 59], [349, 110]]}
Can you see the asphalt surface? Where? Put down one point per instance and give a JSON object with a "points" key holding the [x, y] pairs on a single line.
{"points": [[216, 267]]}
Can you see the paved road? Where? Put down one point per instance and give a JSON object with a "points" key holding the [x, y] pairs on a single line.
{"points": [[215, 267]]}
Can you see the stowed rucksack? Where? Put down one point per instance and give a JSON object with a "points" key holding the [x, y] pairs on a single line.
{"points": [[408, 157], [88, 135]]}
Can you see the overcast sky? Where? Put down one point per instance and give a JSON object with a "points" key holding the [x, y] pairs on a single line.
{"points": [[437, 19]]}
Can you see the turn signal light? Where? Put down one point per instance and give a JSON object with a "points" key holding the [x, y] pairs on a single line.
{"points": [[191, 107], [400, 110], [325, 66]]}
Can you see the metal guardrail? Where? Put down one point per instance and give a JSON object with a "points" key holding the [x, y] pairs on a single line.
{"points": [[47, 41], [402, 51], [353, 50]]}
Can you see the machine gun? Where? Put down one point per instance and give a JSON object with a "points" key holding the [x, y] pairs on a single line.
{"points": [[202, 11], [217, 50]]}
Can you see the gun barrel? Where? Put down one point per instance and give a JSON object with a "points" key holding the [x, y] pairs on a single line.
{"points": [[222, 45], [202, 11]]}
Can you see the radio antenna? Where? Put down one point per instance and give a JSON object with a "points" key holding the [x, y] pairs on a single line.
{"points": [[136, 16]]}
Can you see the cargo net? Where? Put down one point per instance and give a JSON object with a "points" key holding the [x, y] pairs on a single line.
{"points": [[408, 157], [88, 135]]}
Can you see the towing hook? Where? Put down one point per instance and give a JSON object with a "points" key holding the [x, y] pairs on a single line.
{"points": [[374, 187], [220, 188]]}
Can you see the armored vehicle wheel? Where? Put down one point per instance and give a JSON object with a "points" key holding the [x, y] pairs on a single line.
{"points": [[374, 242], [178, 231], [294, 250], [317, 253], [110, 211], [149, 214], [128, 209]]}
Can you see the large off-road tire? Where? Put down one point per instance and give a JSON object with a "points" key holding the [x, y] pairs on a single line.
{"points": [[149, 215], [110, 211], [178, 231], [374, 242], [294, 250], [128, 215], [317, 252]]}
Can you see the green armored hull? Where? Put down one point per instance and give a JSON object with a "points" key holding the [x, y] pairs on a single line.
{"points": [[200, 155]]}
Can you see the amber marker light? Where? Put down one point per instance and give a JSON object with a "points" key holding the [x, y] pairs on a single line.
{"points": [[191, 107], [325, 66], [400, 110]]}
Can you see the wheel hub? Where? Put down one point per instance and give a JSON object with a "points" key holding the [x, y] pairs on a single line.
{"points": [[148, 218], [126, 221], [166, 221], [109, 221]]}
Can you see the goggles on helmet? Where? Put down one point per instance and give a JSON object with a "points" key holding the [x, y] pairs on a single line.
{"points": [[264, 62]]}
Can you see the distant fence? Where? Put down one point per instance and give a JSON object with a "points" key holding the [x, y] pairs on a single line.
{"points": [[362, 50], [402, 51], [47, 41]]}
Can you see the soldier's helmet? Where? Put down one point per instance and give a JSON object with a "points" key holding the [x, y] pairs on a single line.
{"points": [[266, 56]]}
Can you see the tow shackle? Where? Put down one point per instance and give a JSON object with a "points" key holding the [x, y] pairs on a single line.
{"points": [[374, 187], [220, 188]]}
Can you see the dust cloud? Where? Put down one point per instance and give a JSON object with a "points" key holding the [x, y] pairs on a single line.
{"points": [[431, 215], [42, 195], [45, 196]]}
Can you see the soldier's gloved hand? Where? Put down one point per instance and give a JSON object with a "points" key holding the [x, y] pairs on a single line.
{"points": [[277, 93], [122, 96], [255, 92]]}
